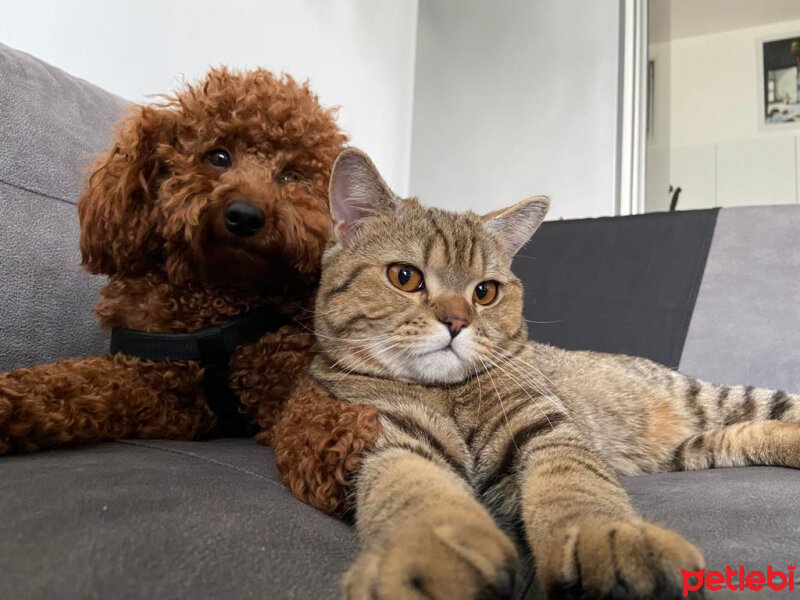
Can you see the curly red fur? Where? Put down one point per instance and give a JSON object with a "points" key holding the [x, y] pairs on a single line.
{"points": [[319, 442], [99, 398], [152, 219]]}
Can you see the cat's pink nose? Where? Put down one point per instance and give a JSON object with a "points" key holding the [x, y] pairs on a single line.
{"points": [[454, 324], [454, 311]]}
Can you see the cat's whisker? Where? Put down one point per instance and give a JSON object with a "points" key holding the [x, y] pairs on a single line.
{"points": [[544, 322], [372, 354], [480, 392], [508, 361], [499, 361], [548, 385], [346, 340], [517, 359], [504, 360], [543, 390], [525, 391], [315, 312], [352, 342], [500, 401], [362, 348]]}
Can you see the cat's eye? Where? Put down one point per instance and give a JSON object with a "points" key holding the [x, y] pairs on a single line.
{"points": [[219, 158], [485, 292], [405, 277], [289, 176]]}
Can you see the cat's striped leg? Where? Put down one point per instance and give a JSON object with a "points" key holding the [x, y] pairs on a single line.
{"points": [[749, 443], [586, 538], [424, 534]]}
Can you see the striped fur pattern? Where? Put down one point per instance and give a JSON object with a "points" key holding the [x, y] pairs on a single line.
{"points": [[485, 433]]}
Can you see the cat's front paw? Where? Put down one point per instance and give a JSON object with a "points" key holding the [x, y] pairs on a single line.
{"points": [[460, 557], [623, 559]]}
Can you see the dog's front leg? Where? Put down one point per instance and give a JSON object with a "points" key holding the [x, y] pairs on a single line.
{"points": [[264, 374], [100, 398]]}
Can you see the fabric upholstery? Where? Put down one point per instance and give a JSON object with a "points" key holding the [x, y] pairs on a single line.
{"points": [[745, 325], [50, 124], [157, 519], [616, 285], [741, 516]]}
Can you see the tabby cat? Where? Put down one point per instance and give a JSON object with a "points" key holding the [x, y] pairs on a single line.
{"points": [[419, 314]]}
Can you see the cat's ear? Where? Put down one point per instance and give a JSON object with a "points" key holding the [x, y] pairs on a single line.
{"points": [[516, 224], [357, 191]]}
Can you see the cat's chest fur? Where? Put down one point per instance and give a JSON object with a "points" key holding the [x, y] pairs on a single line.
{"points": [[465, 403], [380, 392]]}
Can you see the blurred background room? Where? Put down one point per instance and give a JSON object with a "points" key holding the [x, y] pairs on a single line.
{"points": [[608, 106]]}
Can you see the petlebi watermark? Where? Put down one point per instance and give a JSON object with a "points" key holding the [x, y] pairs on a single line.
{"points": [[738, 579]]}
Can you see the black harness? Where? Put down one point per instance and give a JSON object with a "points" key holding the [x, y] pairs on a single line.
{"points": [[212, 348]]}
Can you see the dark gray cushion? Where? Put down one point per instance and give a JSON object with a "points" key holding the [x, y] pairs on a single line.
{"points": [[157, 519], [744, 516], [50, 125]]}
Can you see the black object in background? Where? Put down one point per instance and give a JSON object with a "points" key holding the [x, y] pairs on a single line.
{"points": [[673, 201], [623, 284]]}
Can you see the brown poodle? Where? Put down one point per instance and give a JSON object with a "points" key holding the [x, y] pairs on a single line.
{"points": [[210, 205]]}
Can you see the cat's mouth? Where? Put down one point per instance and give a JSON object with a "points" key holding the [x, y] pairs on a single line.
{"points": [[446, 348]]}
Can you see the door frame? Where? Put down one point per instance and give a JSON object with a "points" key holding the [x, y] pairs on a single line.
{"points": [[632, 134]]}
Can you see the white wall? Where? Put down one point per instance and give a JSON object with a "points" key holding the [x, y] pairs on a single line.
{"points": [[358, 54], [513, 98], [516, 98], [719, 156]]}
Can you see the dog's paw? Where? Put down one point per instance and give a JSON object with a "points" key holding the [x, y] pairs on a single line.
{"points": [[463, 556], [620, 560]]}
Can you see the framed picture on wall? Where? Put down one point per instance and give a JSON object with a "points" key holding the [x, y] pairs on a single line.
{"points": [[779, 69]]}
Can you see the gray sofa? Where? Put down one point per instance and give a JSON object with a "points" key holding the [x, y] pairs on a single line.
{"points": [[157, 519]]}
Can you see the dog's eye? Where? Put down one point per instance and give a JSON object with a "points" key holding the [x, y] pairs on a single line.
{"points": [[219, 158], [285, 177]]}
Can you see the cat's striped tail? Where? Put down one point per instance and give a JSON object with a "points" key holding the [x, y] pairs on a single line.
{"points": [[739, 426]]}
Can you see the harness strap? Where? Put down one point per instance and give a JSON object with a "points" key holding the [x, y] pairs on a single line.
{"points": [[211, 348]]}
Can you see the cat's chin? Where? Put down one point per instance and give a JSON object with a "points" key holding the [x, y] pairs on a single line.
{"points": [[439, 367]]}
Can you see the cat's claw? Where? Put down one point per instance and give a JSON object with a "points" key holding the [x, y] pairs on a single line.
{"points": [[423, 561], [628, 560]]}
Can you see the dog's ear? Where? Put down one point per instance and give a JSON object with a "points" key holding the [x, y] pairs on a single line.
{"points": [[116, 209]]}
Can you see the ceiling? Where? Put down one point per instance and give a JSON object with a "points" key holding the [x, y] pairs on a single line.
{"points": [[689, 18]]}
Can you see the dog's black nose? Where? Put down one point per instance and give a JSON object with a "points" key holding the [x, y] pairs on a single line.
{"points": [[244, 219]]}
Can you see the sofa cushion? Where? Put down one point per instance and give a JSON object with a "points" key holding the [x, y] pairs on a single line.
{"points": [[747, 316], [144, 519], [743, 516], [51, 124], [157, 519], [616, 285]]}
